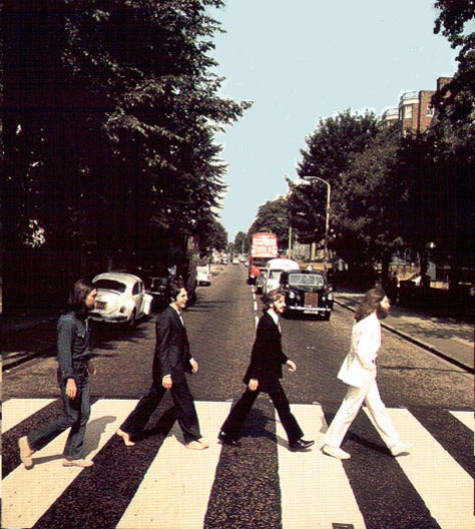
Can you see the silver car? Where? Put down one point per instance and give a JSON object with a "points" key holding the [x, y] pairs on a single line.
{"points": [[121, 298]]}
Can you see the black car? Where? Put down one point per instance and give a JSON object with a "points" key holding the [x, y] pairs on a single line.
{"points": [[159, 291], [306, 292]]}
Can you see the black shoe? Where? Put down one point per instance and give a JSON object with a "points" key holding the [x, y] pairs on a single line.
{"points": [[225, 439], [300, 444]]}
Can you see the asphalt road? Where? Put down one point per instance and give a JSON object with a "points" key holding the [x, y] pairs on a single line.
{"points": [[246, 492]]}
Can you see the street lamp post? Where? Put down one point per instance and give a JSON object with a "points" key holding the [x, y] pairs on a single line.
{"points": [[327, 215]]}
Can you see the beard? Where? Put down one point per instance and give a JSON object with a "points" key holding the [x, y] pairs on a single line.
{"points": [[381, 312]]}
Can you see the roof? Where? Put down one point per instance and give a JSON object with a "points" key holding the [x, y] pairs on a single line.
{"points": [[123, 277], [282, 264]]}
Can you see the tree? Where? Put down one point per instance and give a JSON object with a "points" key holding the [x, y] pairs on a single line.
{"points": [[241, 242], [214, 237], [273, 217], [329, 153], [451, 143], [110, 115], [374, 204]]}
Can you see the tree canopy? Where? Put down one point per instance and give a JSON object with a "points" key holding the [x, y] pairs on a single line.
{"points": [[110, 114], [273, 217]]}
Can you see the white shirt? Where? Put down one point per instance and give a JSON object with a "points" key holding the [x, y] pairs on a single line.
{"points": [[178, 311], [273, 314]]}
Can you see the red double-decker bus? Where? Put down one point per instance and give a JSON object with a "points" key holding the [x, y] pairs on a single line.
{"points": [[263, 248]]}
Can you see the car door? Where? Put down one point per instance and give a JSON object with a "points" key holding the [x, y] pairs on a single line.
{"points": [[137, 295]]}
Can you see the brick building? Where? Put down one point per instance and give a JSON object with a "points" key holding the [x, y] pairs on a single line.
{"points": [[415, 111]]}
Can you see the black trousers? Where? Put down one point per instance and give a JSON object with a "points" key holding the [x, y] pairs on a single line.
{"points": [[239, 412], [183, 400]]}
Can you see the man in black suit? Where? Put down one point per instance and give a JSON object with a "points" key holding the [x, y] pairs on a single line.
{"points": [[171, 360], [263, 374]]}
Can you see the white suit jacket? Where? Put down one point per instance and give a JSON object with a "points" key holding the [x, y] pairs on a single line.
{"points": [[359, 368]]}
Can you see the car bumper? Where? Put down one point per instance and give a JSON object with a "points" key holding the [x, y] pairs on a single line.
{"points": [[309, 310], [114, 318]]}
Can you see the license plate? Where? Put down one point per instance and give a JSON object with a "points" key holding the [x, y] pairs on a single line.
{"points": [[101, 305], [311, 299]]}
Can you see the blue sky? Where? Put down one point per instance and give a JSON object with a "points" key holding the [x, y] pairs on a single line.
{"points": [[309, 59]]}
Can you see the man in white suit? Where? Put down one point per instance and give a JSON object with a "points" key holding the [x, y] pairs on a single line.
{"points": [[359, 372]]}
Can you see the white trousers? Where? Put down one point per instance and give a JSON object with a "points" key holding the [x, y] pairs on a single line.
{"points": [[349, 408]]}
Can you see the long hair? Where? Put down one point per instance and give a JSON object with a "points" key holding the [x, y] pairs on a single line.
{"points": [[78, 294], [370, 302], [271, 297]]}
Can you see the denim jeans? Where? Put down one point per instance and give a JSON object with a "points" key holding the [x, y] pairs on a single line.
{"points": [[75, 416]]}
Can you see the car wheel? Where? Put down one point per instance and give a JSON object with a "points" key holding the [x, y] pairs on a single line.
{"points": [[326, 316]]}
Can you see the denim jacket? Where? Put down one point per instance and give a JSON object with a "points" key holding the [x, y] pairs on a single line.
{"points": [[73, 345]]}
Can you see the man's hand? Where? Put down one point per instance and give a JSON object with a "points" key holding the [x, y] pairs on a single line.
{"points": [[167, 382], [253, 384], [71, 388], [91, 368], [291, 365], [194, 365]]}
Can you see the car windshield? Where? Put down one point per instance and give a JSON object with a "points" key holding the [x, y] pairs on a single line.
{"points": [[275, 274], [308, 280], [110, 284]]}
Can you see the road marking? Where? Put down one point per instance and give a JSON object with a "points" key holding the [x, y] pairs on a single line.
{"points": [[27, 494], [465, 417], [14, 411], [315, 490], [445, 487], [175, 490]]}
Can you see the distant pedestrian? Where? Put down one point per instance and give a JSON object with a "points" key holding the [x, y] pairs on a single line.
{"points": [[73, 353], [359, 372], [171, 361], [263, 374]]}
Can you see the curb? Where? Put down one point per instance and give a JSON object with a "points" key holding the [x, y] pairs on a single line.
{"points": [[418, 342], [10, 364]]}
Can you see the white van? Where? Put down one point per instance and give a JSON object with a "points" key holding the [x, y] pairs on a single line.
{"points": [[274, 268]]}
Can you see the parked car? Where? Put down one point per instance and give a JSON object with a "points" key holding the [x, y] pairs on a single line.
{"points": [[306, 293], [158, 291], [273, 271], [121, 298], [235, 260], [203, 275]]}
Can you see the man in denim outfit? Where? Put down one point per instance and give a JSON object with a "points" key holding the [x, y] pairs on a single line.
{"points": [[73, 353]]}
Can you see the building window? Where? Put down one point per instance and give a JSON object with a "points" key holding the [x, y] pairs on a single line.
{"points": [[408, 111], [430, 111]]}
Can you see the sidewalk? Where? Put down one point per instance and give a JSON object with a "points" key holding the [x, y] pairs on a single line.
{"points": [[446, 337], [25, 337]]}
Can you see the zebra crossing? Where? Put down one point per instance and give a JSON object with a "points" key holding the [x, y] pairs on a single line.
{"points": [[166, 486]]}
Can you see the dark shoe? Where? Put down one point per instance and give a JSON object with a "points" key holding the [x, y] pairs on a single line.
{"points": [[300, 444], [225, 439]]}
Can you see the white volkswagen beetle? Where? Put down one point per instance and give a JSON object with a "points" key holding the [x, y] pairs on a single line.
{"points": [[121, 298]]}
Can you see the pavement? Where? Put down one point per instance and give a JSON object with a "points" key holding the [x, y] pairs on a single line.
{"points": [[448, 338], [27, 337]]}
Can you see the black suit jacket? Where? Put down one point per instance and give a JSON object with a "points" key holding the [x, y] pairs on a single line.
{"points": [[172, 350], [267, 356]]}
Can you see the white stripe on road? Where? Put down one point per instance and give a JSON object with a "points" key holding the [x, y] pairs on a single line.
{"points": [[445, 487], [16, 410], [315, 490], [27, 494], [175, 490], [465, 417]]}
